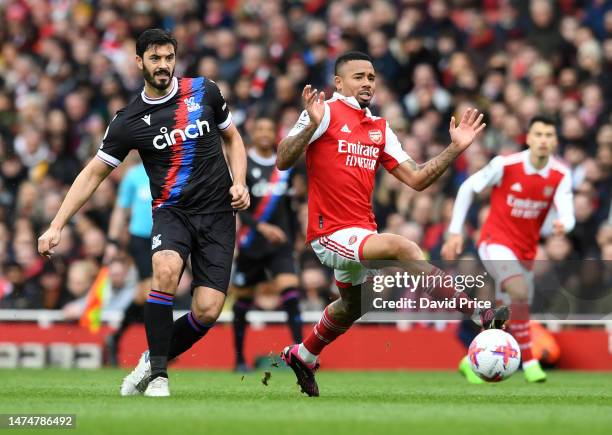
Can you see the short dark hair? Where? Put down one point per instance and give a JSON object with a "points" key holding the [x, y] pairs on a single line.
{"points": [[543, 119], [151, 37], [348, 56]]}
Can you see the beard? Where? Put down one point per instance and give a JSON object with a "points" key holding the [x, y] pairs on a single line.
{"points": [[364, 103], [154, 78]]}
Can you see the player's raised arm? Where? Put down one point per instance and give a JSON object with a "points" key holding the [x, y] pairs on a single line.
{"points": [[420, 177], [81, 190], [312, 124]]}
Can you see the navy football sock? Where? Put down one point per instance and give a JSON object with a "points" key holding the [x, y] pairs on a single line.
{"points": [[240, 309], [158, 323], [291, 304], [186, 331]]}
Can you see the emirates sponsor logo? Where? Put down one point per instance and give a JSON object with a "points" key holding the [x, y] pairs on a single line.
{"points": [[359, 155], [359, 149], [375, 136], [526, 208]]}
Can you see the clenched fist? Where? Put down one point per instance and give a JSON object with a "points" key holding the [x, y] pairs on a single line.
{"points": [[49, 240], [240, 197]]}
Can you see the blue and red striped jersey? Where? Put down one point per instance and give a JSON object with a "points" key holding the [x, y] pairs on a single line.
{"points": [[177, 137], [271, 193]]}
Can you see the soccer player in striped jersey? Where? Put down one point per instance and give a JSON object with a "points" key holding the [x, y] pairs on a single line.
{"points": [[265, 240], [176, 124]]}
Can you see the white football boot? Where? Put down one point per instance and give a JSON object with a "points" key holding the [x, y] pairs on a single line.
{"points": [[136, 382], [158, 387]]}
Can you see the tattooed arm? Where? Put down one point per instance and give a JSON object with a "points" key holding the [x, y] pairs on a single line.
{"points": [[292, 147], [420, 177]]}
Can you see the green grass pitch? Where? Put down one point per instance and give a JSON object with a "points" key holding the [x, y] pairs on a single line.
{"points": [[209, 402]]}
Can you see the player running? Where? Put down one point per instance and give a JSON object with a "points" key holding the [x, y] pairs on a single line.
{"points": [[344, 146], [265, 240], [176, 124], [525, 186]]}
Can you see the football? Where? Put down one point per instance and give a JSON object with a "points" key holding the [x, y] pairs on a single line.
{"points": [[494, 355]]}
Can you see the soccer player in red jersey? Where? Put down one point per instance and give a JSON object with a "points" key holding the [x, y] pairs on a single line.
{"points": [[525, 186], [344, 146]]}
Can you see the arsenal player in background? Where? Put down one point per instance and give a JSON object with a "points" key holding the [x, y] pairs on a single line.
{"points": [[525, 187], [344, 146]]}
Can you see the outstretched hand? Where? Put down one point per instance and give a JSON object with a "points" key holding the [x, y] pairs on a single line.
{"points": [[313, 103], [471, 125]]}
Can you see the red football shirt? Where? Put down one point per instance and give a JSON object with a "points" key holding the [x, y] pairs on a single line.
{"points": [[520, 201], [341, 160]]}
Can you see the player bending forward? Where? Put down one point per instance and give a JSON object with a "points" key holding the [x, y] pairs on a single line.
{"points": [[344, 146], [525, 186]]}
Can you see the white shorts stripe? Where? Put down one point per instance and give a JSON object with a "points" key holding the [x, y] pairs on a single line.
{"points": [[338, 247], [340, 251], [336, 250]]}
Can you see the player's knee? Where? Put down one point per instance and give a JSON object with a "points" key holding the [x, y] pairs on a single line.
{"points": [[408, 250], [352, 308], [206, 313], [167, 266], [519, 296]]}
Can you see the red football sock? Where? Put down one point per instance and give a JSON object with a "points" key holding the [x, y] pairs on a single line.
{"points": [[324, 332], [440, 292], [519, 328]]}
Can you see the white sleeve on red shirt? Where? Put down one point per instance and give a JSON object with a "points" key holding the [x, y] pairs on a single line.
{"points": [[304, 120], [564, 202], [490, 175], [393, 154]]}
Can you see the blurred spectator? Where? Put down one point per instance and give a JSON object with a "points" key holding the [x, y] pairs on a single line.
{"points": [[123, 282], [17, 291]]}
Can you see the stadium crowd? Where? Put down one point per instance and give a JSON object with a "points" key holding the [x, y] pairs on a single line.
{"points": [[67, 66]]}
